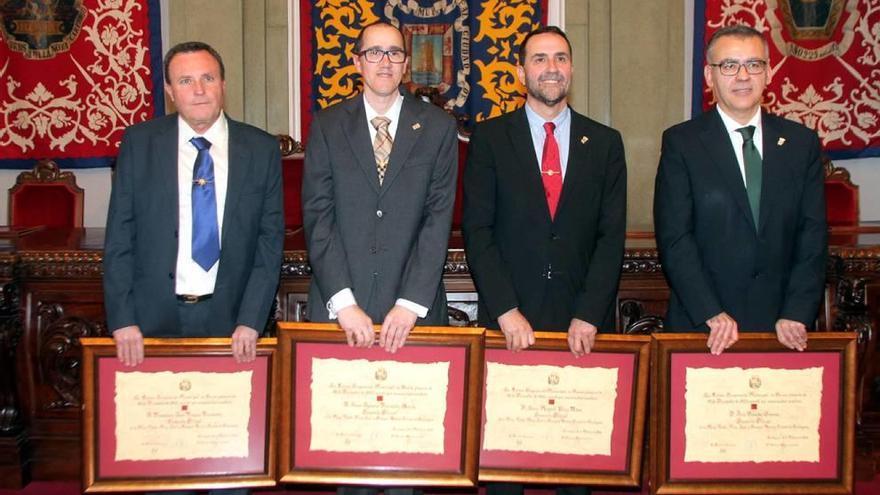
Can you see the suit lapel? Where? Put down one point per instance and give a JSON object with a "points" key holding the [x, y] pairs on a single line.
{"points": [[408, 131], [165, 163], [524, 150], [578, 160], [716, 141], [239, 169], [772, 157], [358, 136]]}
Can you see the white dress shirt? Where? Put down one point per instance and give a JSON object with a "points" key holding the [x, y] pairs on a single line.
{"points": [[190, 278], [345, 297], [736, 138]]}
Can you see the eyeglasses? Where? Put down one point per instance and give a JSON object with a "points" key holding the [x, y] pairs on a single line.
{"points": [[731, 67], [374, 55]]}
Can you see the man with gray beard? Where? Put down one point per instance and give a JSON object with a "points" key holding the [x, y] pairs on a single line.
{"points": [[545, 212]]}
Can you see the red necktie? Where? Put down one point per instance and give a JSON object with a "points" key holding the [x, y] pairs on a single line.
{"points": [[551, 171]]}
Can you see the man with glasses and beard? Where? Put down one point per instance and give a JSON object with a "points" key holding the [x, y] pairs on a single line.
{"points": [[545, 212], [739, 208]]}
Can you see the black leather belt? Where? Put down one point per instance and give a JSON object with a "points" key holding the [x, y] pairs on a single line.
{"points": [[191, 299]]}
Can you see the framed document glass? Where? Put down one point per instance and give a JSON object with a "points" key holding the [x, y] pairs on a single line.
{"points": [[758, 418], [551, 417], [365, 416], [188, 417]]}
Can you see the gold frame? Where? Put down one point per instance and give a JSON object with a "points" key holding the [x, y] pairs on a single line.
{"points": [[557, 341], [470, 338], [95, 348], [664, 345]]}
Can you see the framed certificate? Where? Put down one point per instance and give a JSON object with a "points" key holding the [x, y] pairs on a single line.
{"points": [[551, 417], [188, 417], [757, 419], [364, 416]]}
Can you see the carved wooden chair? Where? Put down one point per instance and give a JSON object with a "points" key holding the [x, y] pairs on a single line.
{"points": [[291, 178], [841, 196], [45, 196]]}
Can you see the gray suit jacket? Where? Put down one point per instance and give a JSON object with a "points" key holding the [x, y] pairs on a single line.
{"points": [[384, 242], [140, 251]]}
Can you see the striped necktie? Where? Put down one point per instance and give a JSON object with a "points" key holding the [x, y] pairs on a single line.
{"points": [[381, 145]]}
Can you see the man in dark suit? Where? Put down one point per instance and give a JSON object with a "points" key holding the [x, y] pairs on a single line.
{"points": [[195, 227], [378, 191], [739, 208], [545, 213], [545, 208]]}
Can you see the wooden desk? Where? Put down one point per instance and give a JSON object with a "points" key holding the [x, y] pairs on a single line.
{"points": [[52, 296]]}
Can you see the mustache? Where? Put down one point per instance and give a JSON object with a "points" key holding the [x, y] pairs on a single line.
{"points": [[551, 76]]}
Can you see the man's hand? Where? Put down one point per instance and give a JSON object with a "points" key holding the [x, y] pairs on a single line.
{"points": [[244, 344], [581, 336], [396, 327], [357, 325], [723, 332], [791, 334], [517, 330], [129, 345]]}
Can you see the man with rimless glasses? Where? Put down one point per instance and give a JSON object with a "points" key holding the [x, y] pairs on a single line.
{"points": [[739, 208]]}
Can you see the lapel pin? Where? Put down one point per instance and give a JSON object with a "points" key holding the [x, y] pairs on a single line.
{"points": [[584, 139], [417, 126], [780, 142]]}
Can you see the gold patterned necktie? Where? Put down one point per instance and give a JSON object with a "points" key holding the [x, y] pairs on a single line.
{"points": [[381, 145]]}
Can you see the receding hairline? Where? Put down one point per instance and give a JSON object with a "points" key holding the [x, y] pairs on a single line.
{"points": [[736, 32], [538, 32], [359, 41]]}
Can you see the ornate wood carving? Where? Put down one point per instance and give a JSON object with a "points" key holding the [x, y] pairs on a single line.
{"points": [[289, 146], [638, 261], [456, 263], [46, 171], [60, 351], [295, 264], [62, 264], [10, 334], [635, 321]]}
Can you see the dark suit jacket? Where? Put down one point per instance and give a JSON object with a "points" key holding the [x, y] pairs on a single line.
{"points": [[140, 251], [385, 242], [511, 241], [714, 258]]}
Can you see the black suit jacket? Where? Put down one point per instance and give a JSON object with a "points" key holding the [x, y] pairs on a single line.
{"points": [[511, 241], [714, 257], [140, 251], [383, 242]]}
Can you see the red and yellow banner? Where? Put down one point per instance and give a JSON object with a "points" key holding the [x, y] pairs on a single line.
{"points": [[463, 53]]}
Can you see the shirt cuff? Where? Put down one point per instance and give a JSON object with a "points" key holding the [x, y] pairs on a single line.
{"points": [[418, 309], [340, 301]]}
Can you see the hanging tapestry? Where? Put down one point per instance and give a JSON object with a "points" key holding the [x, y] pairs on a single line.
{"points": [[73, 75], [824, 63], [463, 53]]}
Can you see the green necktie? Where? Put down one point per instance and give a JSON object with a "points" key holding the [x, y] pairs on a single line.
{"points": [[752, 161]]}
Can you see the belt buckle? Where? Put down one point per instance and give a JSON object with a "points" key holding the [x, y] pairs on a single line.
{"points": [[189, 298]]}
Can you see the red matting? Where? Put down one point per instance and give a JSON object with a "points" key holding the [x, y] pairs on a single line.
{"points": [[449, 461], [620, 436], [108, 366], [829, 422]]}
